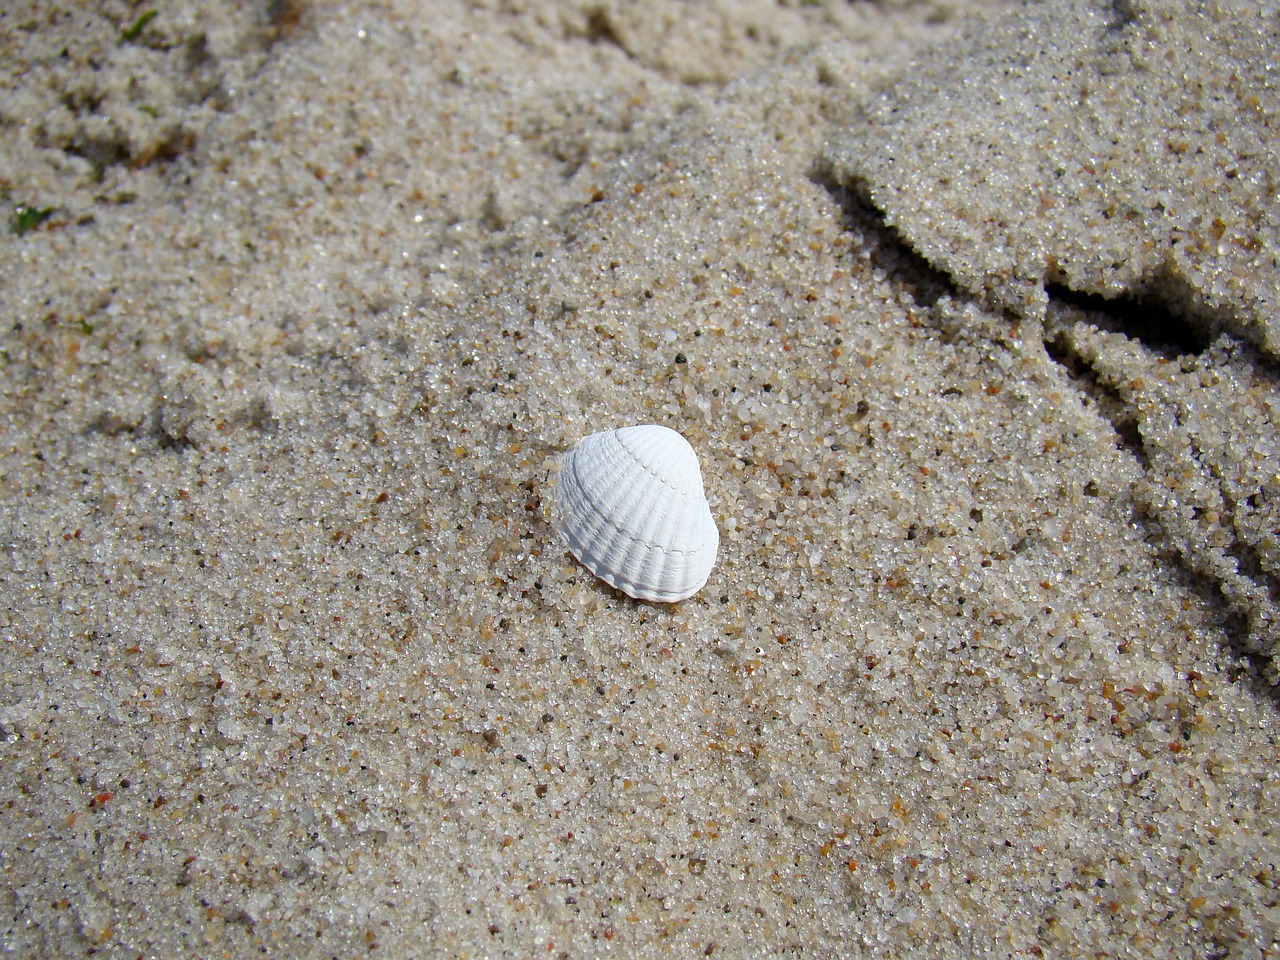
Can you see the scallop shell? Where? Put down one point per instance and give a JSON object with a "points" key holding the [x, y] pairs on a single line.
{"points": [[632, 510]]}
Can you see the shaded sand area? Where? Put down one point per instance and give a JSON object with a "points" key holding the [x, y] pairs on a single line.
{"points": [[970, 314]]}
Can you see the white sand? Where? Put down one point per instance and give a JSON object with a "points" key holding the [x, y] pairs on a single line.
{"points": [[292, 661]]}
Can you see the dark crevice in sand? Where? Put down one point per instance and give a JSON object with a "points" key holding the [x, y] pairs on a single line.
{"points": [[601, 29], [1245, 639], [1246, 663], [1160, 332], [1156, 328], [1165, 315], [1124, 14], [886, 247], [1106, 400], [1241, 618]]}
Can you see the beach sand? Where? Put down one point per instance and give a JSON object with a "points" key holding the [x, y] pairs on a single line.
{"points": [[970, 314]]}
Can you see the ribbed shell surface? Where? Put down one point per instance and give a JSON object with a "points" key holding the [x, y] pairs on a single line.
{"points": [[632, 510]]}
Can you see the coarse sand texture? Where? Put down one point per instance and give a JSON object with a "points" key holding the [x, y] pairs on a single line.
{"points": [[968, 311]]}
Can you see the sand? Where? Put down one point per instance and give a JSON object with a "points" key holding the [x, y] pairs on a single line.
{"points": [[969, 313]]}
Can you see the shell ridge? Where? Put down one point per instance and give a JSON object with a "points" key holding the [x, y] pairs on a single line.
{"points": [[637, 538], [606, 520], [634, 512], [650, 470], [603, 517], [620, 499]]}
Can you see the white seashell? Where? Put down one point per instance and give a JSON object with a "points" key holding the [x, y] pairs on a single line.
{"points": [[632, 509]]}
